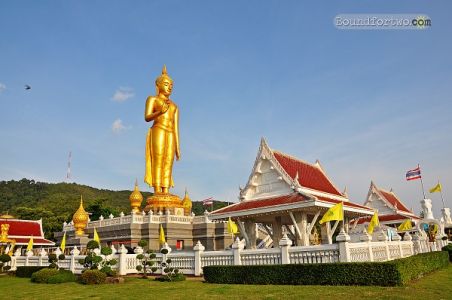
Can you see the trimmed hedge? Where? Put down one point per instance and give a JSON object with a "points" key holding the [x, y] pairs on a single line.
{"points": [[62, 276], [448, 248], [391, 273], [93, 277], [42, 276], [53, 276], [26, 272]]}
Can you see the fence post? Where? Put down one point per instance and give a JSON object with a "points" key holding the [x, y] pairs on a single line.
{"points": [[383, 237], [199, 249], [284, 245], [122, 268], [237, 247], [74, 252], [344, 252], [407, 237], [367, 238], [42, 253], [417, 243], [165, 256], [397, 238]]}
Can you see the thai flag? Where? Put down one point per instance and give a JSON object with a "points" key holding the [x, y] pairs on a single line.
{"points": [[413, 174], [208, 201]]}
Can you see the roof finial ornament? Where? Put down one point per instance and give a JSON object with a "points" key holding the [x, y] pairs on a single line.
{"points": [[345, 192]]}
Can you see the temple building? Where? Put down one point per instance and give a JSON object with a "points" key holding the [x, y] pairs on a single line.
{"points": [[391, 210], [182, 228], [286, 194], [16, 233]]}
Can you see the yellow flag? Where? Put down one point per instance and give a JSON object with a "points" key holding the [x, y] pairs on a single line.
{"points": [[30, 244], [335, 213], [373, 222], [63, 242], [232, 227], [96, 237], [406, 225], [162, 239], [437, 188]]}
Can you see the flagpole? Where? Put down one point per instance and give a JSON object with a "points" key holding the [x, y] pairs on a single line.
{"points": [[343, 216], [441, 193], [422, 183]]}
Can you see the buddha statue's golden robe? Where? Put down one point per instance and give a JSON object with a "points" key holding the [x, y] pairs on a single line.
{"points": [[162, 142]]}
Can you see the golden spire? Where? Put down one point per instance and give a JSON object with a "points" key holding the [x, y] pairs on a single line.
{"points": [[164, 70], [186, 203], [80, 219], [136, 198]]}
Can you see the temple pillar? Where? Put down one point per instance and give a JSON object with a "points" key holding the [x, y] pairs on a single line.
{"points": [[250, 228], [277, 230], [303, 225], [326, 233]]}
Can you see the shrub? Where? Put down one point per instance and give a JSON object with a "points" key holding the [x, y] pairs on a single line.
{"points": [[176, 277], [172, 274], [92, 245], [62, 276], [146, 260], [418, 265], [93, 277], [26, 272], [43, 275], [52, 275], [4, 258], [448, 248], [396, 272], [107, 262]]}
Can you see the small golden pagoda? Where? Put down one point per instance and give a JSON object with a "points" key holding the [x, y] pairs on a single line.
{"points": [[135, 199], [80, 219], [187, 204]]}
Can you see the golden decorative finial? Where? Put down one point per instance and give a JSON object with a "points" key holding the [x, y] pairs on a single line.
{"points": [[164, 70], [136, 198], [80, 219], [186, 203]]}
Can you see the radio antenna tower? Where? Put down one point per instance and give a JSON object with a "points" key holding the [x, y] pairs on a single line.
{"points": [[68, 175]]}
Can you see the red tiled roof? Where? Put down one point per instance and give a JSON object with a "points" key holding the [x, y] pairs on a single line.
{"points": [[309, 176], [23, 227], [346, 203], [277, 201], [252, 204], [36, 241], [387, 218], [394, 200]]}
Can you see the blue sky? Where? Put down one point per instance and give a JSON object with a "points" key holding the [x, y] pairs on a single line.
{"points": [[367, 104]]}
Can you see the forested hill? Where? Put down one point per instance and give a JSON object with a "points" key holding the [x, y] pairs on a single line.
{"points": [[57, 202]]}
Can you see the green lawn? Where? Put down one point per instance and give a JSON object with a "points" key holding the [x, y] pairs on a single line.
{"points": [[434, 286]]}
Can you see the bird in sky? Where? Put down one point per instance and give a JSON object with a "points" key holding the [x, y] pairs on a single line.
{"points": [[27, 87]]}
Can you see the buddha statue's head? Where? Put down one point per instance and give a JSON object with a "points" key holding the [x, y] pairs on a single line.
{"points": [[164, 83]]}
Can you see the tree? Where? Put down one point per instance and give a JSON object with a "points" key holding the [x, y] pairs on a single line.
{"points": [[98, 209], [146, 260]]}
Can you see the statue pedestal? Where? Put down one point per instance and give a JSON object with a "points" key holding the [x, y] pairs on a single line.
{"points": [[163, 202], [79, 241]]}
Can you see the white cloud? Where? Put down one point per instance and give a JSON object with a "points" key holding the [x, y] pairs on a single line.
{"points": [[2, 87], [123, 94], [118, 127]]}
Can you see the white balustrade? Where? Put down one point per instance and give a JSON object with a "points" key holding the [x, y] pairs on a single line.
{"points": [[192, 262]]}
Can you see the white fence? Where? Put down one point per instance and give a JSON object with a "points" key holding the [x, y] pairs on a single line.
{"points": [[193, 262]]}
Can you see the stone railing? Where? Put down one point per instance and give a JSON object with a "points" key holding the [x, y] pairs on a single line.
{"points": [[142, 218], [193, 262]]}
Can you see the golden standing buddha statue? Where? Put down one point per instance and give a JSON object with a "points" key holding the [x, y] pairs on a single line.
{"points": [[162, 144]]}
